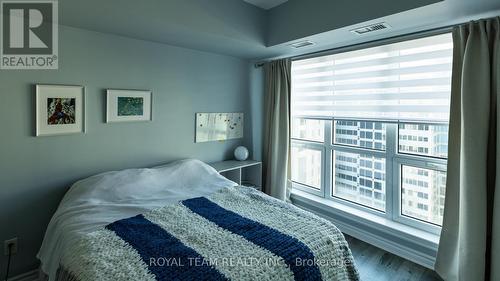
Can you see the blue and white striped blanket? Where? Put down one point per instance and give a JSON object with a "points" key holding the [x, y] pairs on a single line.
{"points": [[234, 234]]}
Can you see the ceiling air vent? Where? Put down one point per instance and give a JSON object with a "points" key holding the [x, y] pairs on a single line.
{"points": [[371, 28], [302, 44]]}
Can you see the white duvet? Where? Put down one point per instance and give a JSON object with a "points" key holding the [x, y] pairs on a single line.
{"points": [[105, 198]]}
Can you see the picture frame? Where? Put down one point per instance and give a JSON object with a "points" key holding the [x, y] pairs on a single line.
{"points": [[60, 109], [218, 126], [129, 105]]}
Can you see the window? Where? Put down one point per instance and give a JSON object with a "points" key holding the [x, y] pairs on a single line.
{"points": [[360, 134], [427, 140], [354, 179], [308, 129], [307, 165], [370, 128], [427, 188]]}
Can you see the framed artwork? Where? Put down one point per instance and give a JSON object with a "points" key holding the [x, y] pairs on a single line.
{"points": [[60, 109], [128, 105], [218, 126]]}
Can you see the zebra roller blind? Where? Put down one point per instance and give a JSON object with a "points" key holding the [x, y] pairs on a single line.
{"points": [[405, 81]]}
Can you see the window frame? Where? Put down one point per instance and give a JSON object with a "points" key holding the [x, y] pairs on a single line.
{"points": [[409, 154], [393, 174], [404, 160], [332, 148], [313, 145]]}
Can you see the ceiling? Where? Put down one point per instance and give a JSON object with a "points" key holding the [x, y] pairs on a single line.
{"points": [[442, 14], [266, 4], [238, 29]]}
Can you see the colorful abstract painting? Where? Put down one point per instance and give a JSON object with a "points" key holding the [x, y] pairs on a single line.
{"points": [[61, 111]]}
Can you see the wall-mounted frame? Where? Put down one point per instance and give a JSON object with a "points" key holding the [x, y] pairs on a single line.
{"points": [[218, 126], [128, 105], [60, 109]]}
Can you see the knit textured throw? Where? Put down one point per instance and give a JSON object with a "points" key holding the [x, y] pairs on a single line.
{"points": [[237, 233]]}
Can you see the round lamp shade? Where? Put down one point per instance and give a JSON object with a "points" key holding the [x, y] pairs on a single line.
{"points": [[241, 153]]}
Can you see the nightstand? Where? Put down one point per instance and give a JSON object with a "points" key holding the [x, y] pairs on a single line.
{"points": [[247, 173]]}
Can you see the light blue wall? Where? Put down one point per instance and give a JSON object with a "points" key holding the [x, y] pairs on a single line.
{"points": [[36, 172]]}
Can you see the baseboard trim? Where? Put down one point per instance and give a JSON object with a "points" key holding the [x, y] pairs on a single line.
{"points": [[27, 276], [381, 242]]}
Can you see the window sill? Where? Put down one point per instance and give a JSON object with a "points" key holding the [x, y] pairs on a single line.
{"points": [[408, 242]]}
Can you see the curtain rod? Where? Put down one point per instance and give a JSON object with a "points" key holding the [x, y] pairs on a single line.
{"points": [[259, 64], [372, 43]]}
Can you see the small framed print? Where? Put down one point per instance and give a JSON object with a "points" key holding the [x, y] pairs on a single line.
{"points": [[60, 110], [128, 105]]}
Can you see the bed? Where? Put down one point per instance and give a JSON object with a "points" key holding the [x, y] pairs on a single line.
{"points": [[184, 221]]}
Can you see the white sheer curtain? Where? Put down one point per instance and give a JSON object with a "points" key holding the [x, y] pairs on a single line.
{"points": [[469, 248]]}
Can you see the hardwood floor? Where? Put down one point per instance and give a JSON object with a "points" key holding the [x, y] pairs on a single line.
{"points": [[375, 264]]}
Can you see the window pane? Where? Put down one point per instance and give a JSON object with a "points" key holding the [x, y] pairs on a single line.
{"points": [[360, 178], [306, 165], [422, 139], [364, 134], [308, 129], [422, 194]]}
